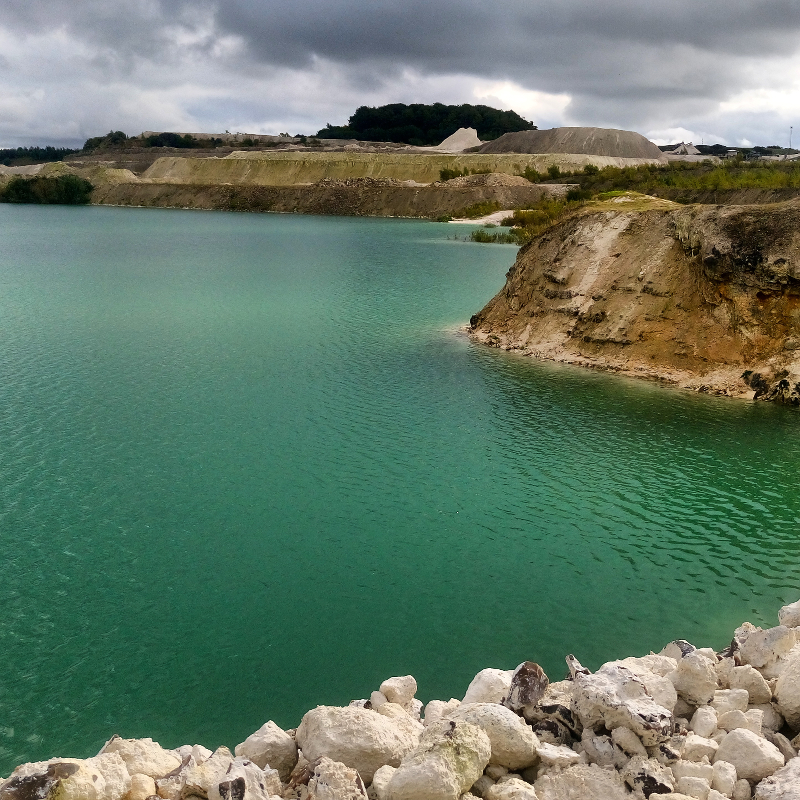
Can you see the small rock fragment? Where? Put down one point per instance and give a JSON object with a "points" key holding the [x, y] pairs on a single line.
{"points": [[789, 615], [489, 686], [704, 721], [697, 748], [400, 690], [724, 778], [693, 787], [270, 745], [725, 700]]}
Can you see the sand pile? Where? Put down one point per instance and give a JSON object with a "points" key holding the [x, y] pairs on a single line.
{"points": [[461, 140], [587, 141]]}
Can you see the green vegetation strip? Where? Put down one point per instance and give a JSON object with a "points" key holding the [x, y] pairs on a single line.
{"points": [[67, 190]]}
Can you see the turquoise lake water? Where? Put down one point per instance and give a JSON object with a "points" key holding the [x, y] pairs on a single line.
{"points": [[249, 465]]}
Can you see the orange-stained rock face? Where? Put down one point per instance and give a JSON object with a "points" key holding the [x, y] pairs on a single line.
{"points": [[694, 295]]}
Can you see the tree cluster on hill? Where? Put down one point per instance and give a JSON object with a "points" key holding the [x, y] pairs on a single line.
{"points": [[424, 125], [21, 156], [112, 138], [67, 190]]}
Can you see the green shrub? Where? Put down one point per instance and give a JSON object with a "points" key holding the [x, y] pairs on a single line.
{"points": [[532, 174], [483, 236], [553, 172], [579, 194], [67, 190], [591, 169]]}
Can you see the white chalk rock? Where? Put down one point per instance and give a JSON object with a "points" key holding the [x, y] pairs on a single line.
{"points": [[692, 769], [781, 785], [196, 751], [742, 790], [648, 776], [628, 742], [659, 687], [678, 649], [771, 719], [582, 782], [753, 757], [789, 615], [437, 710], [764, 647], [725, 700], [200, 779], [332, 780], [693, 787], [402, 718], [704, 722], [361, 739], [489, 686], [755, 720], [143, 756], [400, 690], [270, 745], [752, 681], [495, 771], [142, 787], [557, 755], [724, 778], [731, 720], [614, 697], [512, 789], [245, 780], [696, 748], [513, 742], [695, 679], [379, 788], [376, 700], [713, 794], [450, 757], [103, 777], [787, 693], [598, 749]]}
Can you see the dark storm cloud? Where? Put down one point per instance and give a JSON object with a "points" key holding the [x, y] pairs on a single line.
{"points": [[626, 63]]}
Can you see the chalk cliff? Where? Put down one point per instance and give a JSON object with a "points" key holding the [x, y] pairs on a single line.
{"points": [[705, 297]]}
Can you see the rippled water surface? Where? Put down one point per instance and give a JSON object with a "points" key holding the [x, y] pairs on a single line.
{"points": [[249, 466]]}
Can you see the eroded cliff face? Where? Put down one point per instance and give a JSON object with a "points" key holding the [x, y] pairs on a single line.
{"points": [[705, 297]]}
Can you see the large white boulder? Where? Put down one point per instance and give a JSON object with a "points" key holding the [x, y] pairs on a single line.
{"points": [[450, 757], [142, 787], [198, 779], [357, 737], [753, 757], [143, 756], [400, 690], [648, 776], [512, 789], [652, 671], [245, 780], [436, 710], [787, 692], [761, 648], [781, 785], [513, 742], [103, 777], [614, 697], [789, 615], [752, 681], [695, 679], [404, 720], [582, 782], [270, 745], [378, 789], [723, 779], [489, 686], [332, 780]]}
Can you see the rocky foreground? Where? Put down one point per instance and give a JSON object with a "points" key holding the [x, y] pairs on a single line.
{"points": [[684, 723], [706, 297]]}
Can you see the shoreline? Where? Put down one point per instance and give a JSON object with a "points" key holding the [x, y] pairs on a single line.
{"points": [[687, 722]]}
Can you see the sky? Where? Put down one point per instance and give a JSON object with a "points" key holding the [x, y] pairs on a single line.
{"points": [[709, 71]]}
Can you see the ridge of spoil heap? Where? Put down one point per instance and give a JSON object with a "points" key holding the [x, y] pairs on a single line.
{"points": [[684, 723]]}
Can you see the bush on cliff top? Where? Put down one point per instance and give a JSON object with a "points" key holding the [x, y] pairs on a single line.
{"points": [[67, 190], [423, 125]]}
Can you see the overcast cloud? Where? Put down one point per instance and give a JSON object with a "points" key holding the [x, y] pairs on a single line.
{"points": [[703, 71]]}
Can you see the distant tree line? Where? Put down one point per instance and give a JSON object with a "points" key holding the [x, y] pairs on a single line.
{"points": [[20, 156], [67, 190], [424, 125]]}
